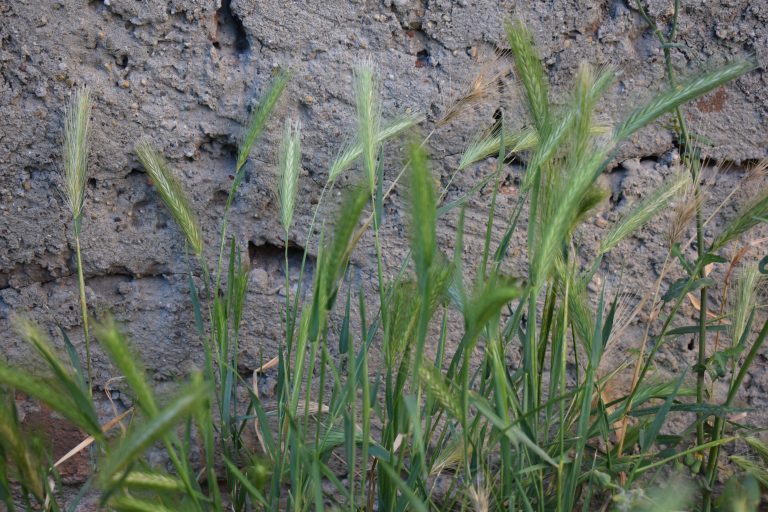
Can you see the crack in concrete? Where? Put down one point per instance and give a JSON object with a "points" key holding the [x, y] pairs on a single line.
{"points": [[132, 276]]}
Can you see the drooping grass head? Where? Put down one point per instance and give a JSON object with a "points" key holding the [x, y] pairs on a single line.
{"points": [[172, 194]]}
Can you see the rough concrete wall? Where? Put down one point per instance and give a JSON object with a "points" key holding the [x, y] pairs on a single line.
{"points": [[185, 73]]}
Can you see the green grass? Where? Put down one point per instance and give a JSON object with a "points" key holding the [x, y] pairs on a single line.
{"points": [[445, 423]]}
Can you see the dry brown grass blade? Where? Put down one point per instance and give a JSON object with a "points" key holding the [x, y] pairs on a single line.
{"points": [[85, 443], [758, 171], [697, 306], [267, 366], [90, 439]]}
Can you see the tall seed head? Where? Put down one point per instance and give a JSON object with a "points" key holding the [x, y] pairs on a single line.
{"points": [[423, 211], [684, 213], [744, 300], [290, 164], [76, 133], [676, 96], [368, 118], [529, 71]]}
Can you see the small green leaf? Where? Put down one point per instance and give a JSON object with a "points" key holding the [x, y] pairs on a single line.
{"points": [[685, 285]]}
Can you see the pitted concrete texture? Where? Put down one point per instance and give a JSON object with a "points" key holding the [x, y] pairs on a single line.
{"points": [[185, 73]]}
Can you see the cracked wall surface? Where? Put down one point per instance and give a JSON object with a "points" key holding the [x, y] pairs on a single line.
{"points": [[185, 74]]}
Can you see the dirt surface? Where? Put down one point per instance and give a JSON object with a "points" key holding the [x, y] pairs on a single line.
{"points": [[185, 73]]}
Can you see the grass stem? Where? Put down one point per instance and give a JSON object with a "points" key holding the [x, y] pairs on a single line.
{"points": [[84, 312]]}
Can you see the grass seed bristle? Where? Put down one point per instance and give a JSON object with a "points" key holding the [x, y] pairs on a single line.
{"points": [[484, 87]]}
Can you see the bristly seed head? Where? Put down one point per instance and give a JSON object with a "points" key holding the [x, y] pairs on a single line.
{"points": [[290, 165], [76, 133], [368, 117], [172, 194], [485, 86], [758, 171]]}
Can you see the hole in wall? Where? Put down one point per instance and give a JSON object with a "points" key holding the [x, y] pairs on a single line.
{"points": [[230, 30], [423, 59], [271, 258]]}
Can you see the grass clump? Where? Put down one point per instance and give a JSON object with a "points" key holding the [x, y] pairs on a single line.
{"points": [[447, 423]]}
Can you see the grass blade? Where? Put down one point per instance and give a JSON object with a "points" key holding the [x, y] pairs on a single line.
{"points": [[42, 390], [245, 482], [70, 385], [14, 447]]}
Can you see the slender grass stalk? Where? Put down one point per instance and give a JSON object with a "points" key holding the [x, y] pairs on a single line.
{"points": [[733, 389], [76, 141], [695, 166]]}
